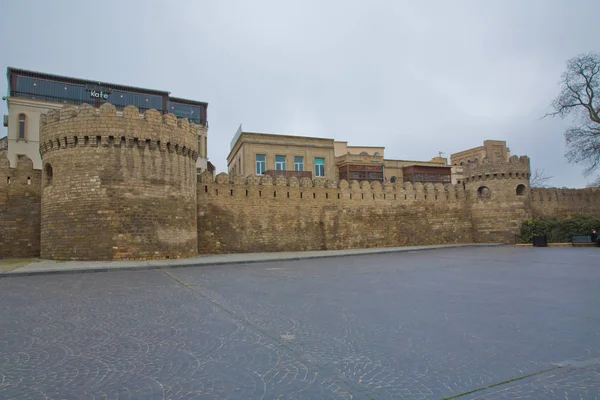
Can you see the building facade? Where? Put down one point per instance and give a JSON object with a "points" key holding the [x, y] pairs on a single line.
{"points": [[31, 94], [310, 157], [395, 169], [493, 151], [360, 163], [280, 155]]}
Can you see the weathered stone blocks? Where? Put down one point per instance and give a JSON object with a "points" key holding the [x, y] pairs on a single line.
{"points": [[117, 185]]}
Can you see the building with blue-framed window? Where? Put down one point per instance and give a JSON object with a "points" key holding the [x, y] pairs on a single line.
{"points": [[31, 94], [281, 155], [311, 157]]}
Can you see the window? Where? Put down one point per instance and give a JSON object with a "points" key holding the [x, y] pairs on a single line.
{"points": [[205, 147], [280, 163], [319, 167], [376, 154], [200, 146], [48, 174], [193, 113], [393, 179], [298, 163], [484, 192], [22, 126], [261, 164], [364, 153], [198, 173], [521, 190]]}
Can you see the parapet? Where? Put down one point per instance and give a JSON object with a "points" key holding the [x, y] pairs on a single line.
{"points": [[226, 185], [516, 168], [106, 127]]}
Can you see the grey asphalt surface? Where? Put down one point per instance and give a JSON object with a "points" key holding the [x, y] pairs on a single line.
{"points": [[468, 323]]}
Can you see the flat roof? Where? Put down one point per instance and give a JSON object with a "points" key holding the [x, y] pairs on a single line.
{"points": [[287, 136], [240, 133], [368, 147], [432, 162], [68, 79]]}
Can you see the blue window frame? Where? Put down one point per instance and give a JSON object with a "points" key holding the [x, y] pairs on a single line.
{"points": [[319, 167], [298, 163], [280, 162], [261, 164]]}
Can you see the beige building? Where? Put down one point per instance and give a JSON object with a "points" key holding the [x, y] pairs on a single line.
{"points": [[394, 169], [495, 151], [360, 163], [31, 94], [261, 153]]}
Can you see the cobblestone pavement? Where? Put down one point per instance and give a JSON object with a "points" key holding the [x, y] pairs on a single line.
{"points": [[469, 323]]}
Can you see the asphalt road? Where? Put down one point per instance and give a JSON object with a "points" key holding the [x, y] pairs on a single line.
{"points": [[489, 323]]}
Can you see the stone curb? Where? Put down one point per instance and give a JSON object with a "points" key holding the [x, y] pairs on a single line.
{"points": [[183, 263]]}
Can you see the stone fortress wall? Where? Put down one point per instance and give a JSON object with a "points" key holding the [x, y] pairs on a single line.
{"points": [[122, 185], [498, 195], [564, 203], [20, 199], [265, 214], [262, 214], [117, 185]]}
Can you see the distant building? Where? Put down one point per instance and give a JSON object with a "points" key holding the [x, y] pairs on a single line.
{"points": [[495, 151], [31, 94], [269, 154], [283, 155], [426, 174], [360, 163], [395, 169]]}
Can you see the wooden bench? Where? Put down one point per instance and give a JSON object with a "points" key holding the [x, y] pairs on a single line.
{"points": [[582, 241]]}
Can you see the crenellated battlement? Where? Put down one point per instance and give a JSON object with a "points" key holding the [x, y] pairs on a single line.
{"points": [[20, 198], [117, 185], [564, 195], [320, 188], [515, 168], [86, 126]]}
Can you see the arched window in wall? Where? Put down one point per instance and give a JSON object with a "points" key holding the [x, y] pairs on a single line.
{"points": [[393, 179], [49, 174], [22, 126], [484, 192]]}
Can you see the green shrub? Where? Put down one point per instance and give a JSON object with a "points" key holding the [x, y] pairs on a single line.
{"points": [[558, 231]]}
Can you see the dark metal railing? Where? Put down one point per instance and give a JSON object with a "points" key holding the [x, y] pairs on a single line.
{"points": [[95, 103]]}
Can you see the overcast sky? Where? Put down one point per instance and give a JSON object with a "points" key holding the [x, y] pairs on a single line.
{"points": [[417, 77]]}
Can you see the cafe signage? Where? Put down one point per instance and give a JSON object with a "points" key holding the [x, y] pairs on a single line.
{"points": [[98, 92]]}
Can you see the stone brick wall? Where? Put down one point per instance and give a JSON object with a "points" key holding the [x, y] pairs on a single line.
{"points": [[563, 203], [499, 198], [123, 185], [20, 194], [262, 214]]}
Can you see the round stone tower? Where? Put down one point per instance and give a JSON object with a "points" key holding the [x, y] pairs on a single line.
{"points": [[117, 185], [499, 197]]}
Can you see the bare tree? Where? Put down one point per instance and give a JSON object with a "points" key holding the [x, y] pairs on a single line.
{"points": [[539, 179], [578, 98], [594, 183]]}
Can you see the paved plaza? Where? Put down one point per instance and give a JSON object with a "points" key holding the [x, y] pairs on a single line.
{"points": [[465, 323]]}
